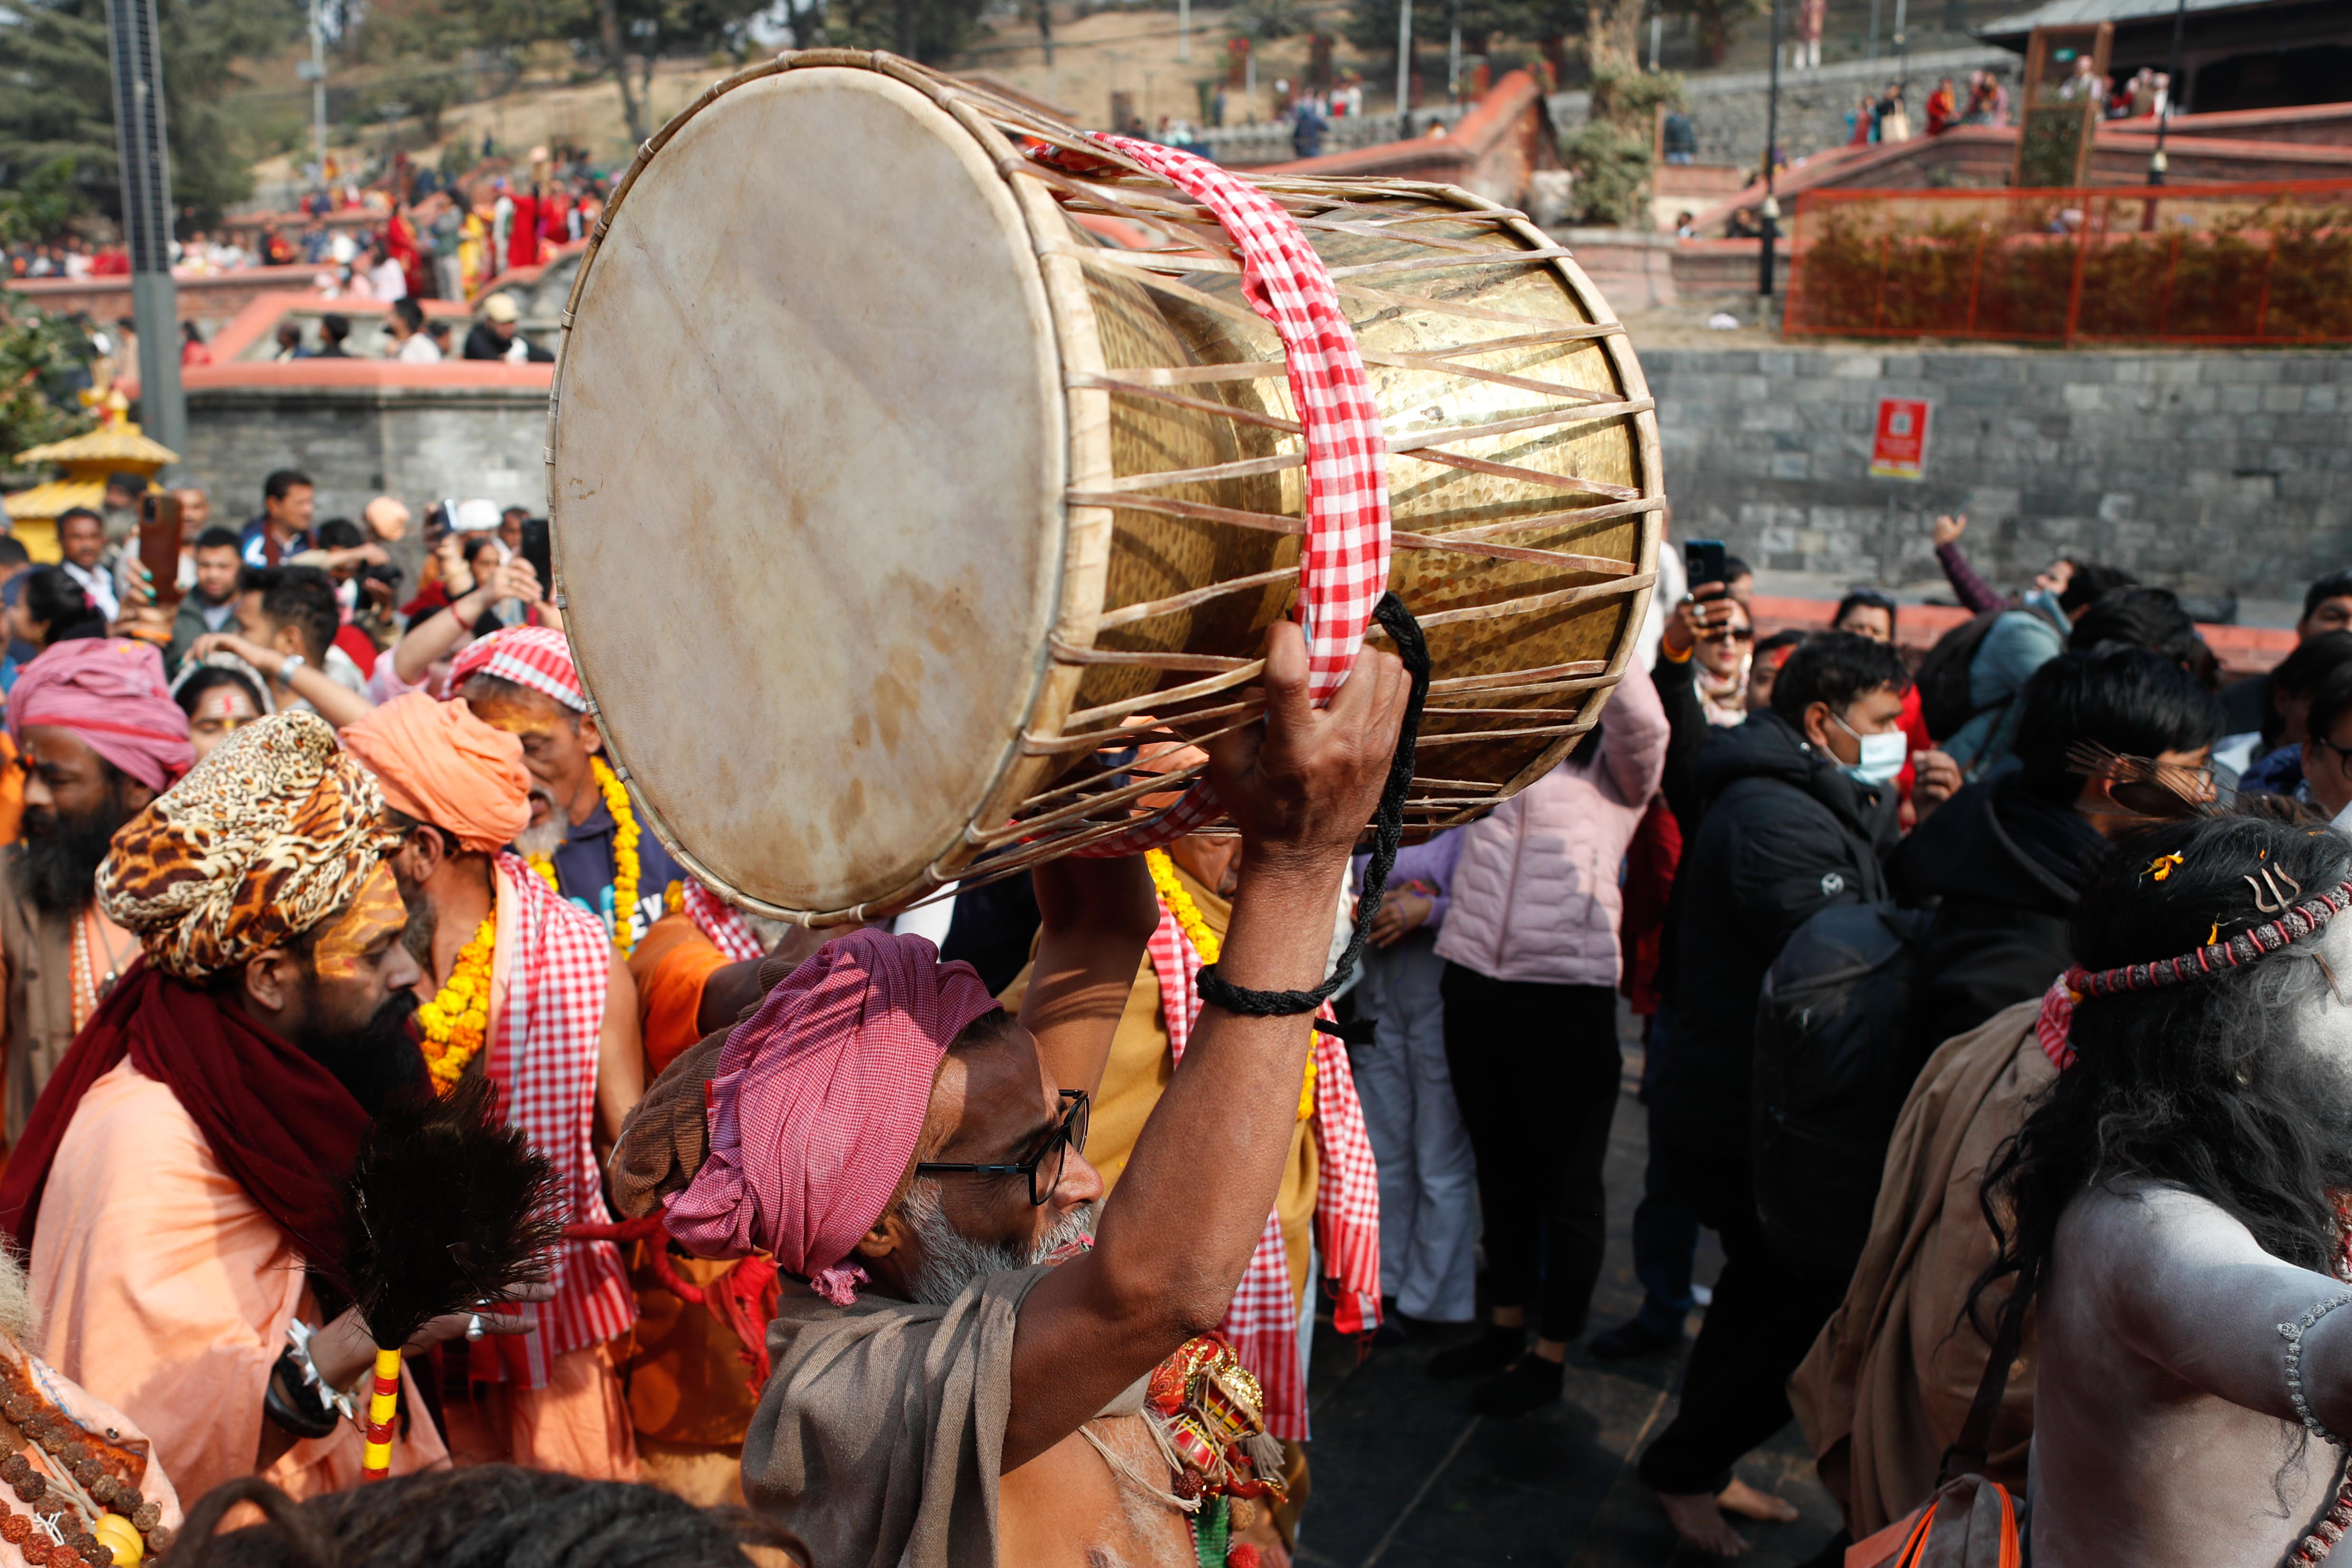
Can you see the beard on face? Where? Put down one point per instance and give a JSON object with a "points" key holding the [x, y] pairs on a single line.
{"points": [[769, 930], [550, 833], [58, 857], [423, 922], [372, 1061], [954, 1262]]}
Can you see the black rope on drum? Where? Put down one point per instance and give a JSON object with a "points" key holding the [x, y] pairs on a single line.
{"points": [[1388, 836]]}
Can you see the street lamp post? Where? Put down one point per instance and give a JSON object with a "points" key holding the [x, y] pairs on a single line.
{"points": [[1770, 212], [1454, 51], [315, 70], [2171, 88], [135, 51], [1404, 72]]}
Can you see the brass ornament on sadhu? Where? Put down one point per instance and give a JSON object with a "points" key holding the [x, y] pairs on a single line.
{"points": [[1212, 1411]]}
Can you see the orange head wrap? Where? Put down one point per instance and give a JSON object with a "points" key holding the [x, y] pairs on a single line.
{"points": [[438, 764]]}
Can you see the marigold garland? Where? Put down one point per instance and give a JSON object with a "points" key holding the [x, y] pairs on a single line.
{"points": [[1195, 927], [626, 834], [626, 867], [457, 1020]]}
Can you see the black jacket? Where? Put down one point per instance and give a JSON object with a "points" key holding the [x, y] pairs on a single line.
{"points": [[1786, 832], [2001, 864]]}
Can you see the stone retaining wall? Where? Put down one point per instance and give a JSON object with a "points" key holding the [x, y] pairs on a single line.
{"points": [[2211, 472]]}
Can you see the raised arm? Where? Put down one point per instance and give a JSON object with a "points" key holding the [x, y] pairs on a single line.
{"points": [[1971, 590], [445, 629], [1173, 1243], [1097, 916], [2188, 1287]]}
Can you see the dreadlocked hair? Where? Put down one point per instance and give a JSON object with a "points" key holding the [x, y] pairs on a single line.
{"points": [[484, 1516], [2200, 1086]]}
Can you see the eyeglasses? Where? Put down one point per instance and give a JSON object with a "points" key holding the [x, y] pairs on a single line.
{"points": [[1044, 1168], [1730, 634], [2343, 754]]}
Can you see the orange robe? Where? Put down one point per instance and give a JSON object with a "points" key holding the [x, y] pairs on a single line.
{"points": [[165, 1290], [671, 965], [689, 1394]]}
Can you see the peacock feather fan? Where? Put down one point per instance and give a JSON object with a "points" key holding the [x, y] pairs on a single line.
{"points": [[446, 1207]]}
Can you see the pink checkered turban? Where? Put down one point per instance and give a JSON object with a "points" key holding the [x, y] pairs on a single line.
{"points": [[816, 1103], [111, 692], [536, 656]]}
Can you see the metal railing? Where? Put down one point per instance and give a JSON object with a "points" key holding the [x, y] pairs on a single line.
{"points": [[2219, 264]]}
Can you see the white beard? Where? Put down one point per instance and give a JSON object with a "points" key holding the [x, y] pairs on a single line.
{"points": [[954, 1262], [547, 837]]}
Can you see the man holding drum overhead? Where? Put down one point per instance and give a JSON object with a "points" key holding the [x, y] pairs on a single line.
{"points": [[960, 1380]]}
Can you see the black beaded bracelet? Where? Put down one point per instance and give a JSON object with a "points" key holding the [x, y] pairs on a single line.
{"points": [[1388, 836], [292, 1406]]}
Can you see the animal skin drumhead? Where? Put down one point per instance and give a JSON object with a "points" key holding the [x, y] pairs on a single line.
{"points": [[807, 455]]}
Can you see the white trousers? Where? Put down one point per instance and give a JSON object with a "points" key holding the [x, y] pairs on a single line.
{"points": [[1429, 1178]]}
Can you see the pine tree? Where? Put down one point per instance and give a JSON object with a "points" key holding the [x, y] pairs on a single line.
{"points": [[57, 94]]}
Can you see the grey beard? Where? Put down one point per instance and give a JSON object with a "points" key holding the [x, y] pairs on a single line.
{"points": [[550, 836], [954, 1262], [769, 930]]}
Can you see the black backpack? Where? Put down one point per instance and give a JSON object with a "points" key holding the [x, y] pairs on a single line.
{"points": [[1943, 679], [1833, 1068]]}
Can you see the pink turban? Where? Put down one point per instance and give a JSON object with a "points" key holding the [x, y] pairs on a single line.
{"points": [[111, 692], [817, 1101]]}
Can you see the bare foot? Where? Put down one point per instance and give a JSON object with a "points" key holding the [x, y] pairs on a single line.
{"points": [[1745, 1500], [1700, 1523]]}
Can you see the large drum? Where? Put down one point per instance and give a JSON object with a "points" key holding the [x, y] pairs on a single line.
{"points": [[894, 476]]}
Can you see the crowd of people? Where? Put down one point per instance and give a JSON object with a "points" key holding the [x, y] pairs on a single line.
{"points": [[412, 233], [900, 1244]]}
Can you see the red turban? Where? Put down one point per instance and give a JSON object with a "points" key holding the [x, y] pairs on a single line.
{"points": [[817, 1103], [111, 692], [438, 764]]}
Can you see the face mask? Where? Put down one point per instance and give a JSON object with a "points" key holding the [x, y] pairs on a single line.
{"points": [[2043, 600], [1882, 756]]}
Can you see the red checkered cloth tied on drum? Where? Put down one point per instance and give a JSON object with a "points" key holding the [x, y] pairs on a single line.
{"points": [[1344, 566], [536, 656], [1262, 1321], [543, 1060], [721, 922]]}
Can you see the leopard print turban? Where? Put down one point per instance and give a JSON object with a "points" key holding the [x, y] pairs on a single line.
{"points": [[271, 834]]}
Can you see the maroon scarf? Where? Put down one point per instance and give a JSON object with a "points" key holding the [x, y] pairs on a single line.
{"points": [[283, 1126]]}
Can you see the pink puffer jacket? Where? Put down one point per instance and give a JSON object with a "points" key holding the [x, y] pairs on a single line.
{"points": [[1536, 893]]}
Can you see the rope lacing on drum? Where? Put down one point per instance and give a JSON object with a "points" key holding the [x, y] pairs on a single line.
{"points": [[1344, 564]]}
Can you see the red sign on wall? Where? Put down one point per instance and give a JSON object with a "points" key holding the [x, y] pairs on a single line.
{"points": [[1898, 446]]}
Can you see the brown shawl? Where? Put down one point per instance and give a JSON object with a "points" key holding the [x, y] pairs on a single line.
{"points": [[1890, 1379], [880, 1438]]}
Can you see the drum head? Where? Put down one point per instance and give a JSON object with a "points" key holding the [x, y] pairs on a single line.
{"points": [[808, 454]]}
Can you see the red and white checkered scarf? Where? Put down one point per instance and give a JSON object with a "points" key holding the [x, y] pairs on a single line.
{"points": [[1262, 1321], [543, 1060], [723, 923], [1344, 567]]}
